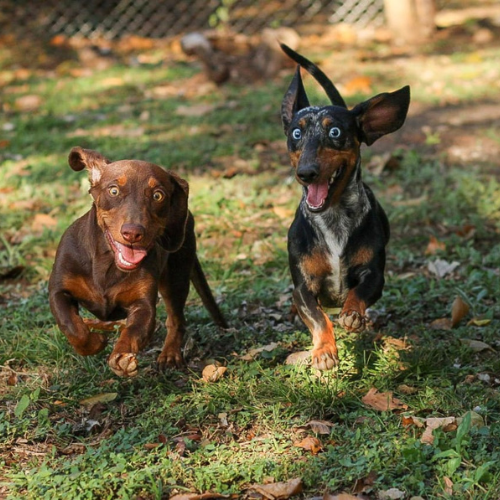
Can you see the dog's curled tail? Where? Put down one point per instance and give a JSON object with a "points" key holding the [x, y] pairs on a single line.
{"points": [[330, 89]]}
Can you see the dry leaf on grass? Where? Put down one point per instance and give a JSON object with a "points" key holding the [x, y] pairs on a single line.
{"points": [[195, 110], [277, 491], [477, 345], [105, 397], [448, 424], [407, 389], [299, 358], [441, 267], [318, 426], [391, 494], [28, 102], [198, 496], [448, 486], [479, 322], [441, 324], [341, 496], [311, 444], [250, 355], [212, 373], [42, 221], [459, 310], [434, 246], [382, 401]]}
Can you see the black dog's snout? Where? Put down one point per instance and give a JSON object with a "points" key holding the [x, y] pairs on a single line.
{"points": [[132, 233], [308, 173]]}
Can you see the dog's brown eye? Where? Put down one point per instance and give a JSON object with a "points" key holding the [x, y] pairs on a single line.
{"points": [[113, 191], [158, 196]]}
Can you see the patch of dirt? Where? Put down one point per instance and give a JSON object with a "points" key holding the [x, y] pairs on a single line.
{"points": [[459, 133]]}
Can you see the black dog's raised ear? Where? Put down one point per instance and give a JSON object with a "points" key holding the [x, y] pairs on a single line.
{"points": [[175, 229], [295, 99], [382, 114], [325, 82], [93, 161]]}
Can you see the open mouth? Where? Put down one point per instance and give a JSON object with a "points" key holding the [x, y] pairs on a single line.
{"points": [[127, 257], [317, 194]]}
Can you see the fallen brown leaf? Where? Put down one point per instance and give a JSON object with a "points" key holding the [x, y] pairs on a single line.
{"points": [[41, 221], [391, 494], [436, 423], [195, 110], [251, 353], [198, 496], [28, 102], [105, 397], [459, 310], [311, 444], [276, 491], [448, 485], [407, 389], [477, 345], [319, 426], [434, 246], [382, 401], [212, 373], [340, 496], [441, 324]]}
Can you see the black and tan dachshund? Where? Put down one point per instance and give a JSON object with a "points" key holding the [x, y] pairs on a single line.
{"points": [[336, 243]]}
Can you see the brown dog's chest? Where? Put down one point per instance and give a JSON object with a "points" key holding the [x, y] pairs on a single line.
{"points": [[110, 302]]}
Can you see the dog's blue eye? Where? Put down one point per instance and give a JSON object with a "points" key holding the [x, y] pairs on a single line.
{"points": [[296, 134], [334, 133], [113, 191]]}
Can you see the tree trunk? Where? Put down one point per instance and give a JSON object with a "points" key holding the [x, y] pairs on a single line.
{"points": [[411, 21]]}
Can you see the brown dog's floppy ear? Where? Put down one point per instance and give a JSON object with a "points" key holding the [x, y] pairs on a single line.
{"points": [[382, 114], [175, 229], [93, 161], [295, 99]]}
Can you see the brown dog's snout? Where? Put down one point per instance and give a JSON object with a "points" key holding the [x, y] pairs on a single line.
{"points": [[133, 233]]}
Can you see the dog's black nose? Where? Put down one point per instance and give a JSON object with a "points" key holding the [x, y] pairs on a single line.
{"points": [[132, 232], [308, 174]]}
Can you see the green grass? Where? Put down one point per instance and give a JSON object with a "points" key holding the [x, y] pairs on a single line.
{"points": [[167, 433]]}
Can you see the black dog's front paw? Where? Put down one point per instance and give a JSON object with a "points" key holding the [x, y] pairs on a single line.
{"points": [[352, 321]]}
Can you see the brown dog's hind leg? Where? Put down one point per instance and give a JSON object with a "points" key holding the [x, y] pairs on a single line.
{"points": [[174, 289], [324, 354]]}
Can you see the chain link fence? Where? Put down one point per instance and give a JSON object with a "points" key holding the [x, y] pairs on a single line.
{"points": [[162, 18]]}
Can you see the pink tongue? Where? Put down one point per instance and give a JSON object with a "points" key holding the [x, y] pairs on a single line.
{"points": [[316, 194], [131, 255]]}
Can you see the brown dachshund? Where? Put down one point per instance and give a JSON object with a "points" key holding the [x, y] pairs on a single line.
{"points": [[336, 243], [137, 240]]}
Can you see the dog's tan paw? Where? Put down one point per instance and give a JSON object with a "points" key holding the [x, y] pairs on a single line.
{"points": [[352, 321], [123, 364], [325, 358]]}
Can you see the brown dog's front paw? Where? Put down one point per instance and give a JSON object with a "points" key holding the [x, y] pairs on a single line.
{"points": [[352, 321], [170, 359], [123, 364], [325, 358], [95, 342]]}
